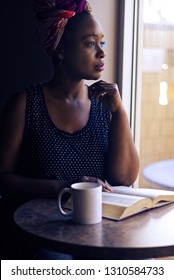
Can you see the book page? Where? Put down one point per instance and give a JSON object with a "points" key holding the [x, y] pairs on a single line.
{"points": [[119, 206], [120, 199], [142, 192]]}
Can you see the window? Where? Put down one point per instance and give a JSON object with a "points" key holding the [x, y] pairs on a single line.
{"points": [[148, 79], [157, 101]]}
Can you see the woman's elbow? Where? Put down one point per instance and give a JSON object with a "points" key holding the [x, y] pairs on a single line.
{"points": [[123, 177]]}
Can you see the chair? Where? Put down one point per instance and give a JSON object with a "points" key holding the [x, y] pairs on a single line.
{"points": [[161, 173]]}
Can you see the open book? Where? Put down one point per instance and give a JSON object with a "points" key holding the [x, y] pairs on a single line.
{"points": [[125, 201]]}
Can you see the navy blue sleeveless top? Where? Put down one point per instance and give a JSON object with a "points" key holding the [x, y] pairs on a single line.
{"points": [[50, 153]]}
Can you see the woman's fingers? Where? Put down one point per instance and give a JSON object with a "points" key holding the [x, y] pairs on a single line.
{"points": [[105, 186], [108, 94]]}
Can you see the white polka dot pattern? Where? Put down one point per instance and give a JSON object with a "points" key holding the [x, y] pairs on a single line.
{"points": [[48, 152]]}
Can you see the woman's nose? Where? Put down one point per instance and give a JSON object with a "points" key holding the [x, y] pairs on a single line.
{"points": [[101, 53]]}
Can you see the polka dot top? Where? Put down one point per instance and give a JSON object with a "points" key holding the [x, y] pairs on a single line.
{"points": [[50, 153]]}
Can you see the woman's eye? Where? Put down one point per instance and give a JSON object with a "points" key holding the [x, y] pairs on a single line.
{"points": [[91, 44], [102, 44]]}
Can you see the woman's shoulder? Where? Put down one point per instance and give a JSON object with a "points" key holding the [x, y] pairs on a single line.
{"points": [[17, 100], [14, 109], [13, 114]]}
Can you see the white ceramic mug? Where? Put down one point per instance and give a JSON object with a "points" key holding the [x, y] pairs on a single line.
{"points": [[86, 200]]}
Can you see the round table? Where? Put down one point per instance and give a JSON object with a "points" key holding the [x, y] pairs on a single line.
{"points": [[161, 173], [146, 235]]}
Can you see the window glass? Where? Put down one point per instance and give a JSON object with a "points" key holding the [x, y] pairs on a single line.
{"points": [[157, 92]]}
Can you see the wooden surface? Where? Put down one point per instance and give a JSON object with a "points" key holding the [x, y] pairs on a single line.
{"points": [[146, 235], [161, 173]]}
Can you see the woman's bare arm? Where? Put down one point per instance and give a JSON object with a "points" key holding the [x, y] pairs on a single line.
{"points": [[123, 160], [11, 136]]}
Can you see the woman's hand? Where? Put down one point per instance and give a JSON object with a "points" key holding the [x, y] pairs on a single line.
{"points": [[108, 94], [105, 186]]}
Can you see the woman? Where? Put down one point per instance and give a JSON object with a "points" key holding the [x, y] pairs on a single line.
{"points": [[61, 131]]}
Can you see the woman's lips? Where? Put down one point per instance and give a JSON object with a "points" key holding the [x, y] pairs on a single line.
{"points": [[99, 67]]}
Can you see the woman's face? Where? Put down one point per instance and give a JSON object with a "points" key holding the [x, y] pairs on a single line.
{"points": [[84, 54]]}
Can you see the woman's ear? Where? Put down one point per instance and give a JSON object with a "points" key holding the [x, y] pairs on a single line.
{"points": [[60, 51], [60, 71], [58, 56]]}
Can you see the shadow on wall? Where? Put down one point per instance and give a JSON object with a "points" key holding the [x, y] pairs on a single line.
{"points": [[23, 61]]}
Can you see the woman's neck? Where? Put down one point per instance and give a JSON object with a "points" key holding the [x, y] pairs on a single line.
{"points": [[66, 90]]}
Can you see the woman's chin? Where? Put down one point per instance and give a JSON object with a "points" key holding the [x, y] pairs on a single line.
{"points": [[94, 77]]}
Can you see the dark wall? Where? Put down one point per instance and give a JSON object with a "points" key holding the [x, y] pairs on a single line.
{"points": [[23, 60]]}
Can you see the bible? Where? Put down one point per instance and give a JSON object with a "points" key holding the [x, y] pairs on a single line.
{"points": [[123, 201]]}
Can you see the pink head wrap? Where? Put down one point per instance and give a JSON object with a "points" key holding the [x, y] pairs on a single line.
{"points": [[52, 17]]}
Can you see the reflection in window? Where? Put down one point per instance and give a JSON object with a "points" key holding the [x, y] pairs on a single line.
{"points": [[163, 99], [159, 12]]}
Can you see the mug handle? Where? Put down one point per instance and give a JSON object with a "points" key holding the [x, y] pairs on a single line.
{"points": [[65, 190]]}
